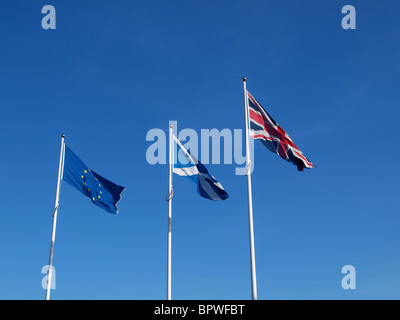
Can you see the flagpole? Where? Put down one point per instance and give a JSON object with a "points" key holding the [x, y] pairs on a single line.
{"points": [[53, 234], [249, 196], [169, 199]]}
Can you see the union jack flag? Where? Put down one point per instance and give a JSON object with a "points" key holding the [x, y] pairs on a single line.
{"points": [[264, 128]]}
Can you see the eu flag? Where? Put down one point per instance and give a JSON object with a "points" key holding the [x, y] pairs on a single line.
{"points": [[102, 192]]}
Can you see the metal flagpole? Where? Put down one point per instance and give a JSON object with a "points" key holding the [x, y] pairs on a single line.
{"points": [[169, 199], [53, 234], [249, 196]]}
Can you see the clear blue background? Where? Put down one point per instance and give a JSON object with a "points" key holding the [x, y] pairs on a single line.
{"points": [[112, 70]]}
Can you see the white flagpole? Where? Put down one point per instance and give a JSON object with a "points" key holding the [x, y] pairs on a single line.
{"points": [[169, 199], [53, 234], [249, 196]]}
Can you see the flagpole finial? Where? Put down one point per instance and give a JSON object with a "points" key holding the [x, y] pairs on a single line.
{"points": [[62, 135], [244, 79]]}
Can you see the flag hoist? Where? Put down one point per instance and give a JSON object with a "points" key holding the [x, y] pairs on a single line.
{"points": [[261, 126], [102, 192], [183, 163]]}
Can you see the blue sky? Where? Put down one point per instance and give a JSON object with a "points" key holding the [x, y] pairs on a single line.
{"points": [[113, 70]]}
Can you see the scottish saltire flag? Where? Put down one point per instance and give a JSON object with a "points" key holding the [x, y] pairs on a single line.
{"points": [[102, 192], [264, 128], [188, 166]]}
